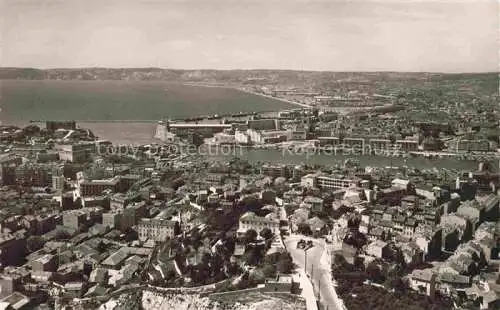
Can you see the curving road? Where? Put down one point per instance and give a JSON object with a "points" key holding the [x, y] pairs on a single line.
{"points": [[317, 269]]}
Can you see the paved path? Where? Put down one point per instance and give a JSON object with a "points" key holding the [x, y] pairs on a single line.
{"points": [[307, 290], [318, 268]]}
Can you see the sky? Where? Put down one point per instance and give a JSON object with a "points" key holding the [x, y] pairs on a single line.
{"points": [[325, 35]]}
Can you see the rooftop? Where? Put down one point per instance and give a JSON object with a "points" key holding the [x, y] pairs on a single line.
{"points": [[116, 258], [16, 300], [423, 274]]}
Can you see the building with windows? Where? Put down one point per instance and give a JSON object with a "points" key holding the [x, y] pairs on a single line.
{"points": [[334, 182], [97, 187], [274, 170], [131, 215], [297, 134], [34, 175], [12, 250], [355, 143], [76, 153], [267, 136], [250, 220], [58, 182], [112, 220], [314, 204], [379, 144], [185, 129], [119, 200], [8, 166], [463, 145], [74, 219], [406, 145], [423, 280], [47, 262], [263, 124], [156, 229]]}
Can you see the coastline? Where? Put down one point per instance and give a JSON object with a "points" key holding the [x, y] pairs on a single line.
{"points": [[249, 92]]}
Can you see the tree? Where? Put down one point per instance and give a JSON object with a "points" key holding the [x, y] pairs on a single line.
{"points": [[266, 233], [217, 263], [269, 270], [396, 283], [177, 183], [272, 259], [171, 275], [205, 259], [31, 130], [373, 273], [356, 239], [304, 229], [339, 260], [253, 256], [285, 263], [250, 236], [195, 239]]}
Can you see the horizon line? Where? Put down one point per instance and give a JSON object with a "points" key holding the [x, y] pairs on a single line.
{"points": [[255, 69]]}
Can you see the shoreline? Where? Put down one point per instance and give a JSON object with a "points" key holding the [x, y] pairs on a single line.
{"points": [[250, 92]]}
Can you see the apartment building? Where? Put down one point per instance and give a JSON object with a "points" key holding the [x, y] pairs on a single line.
{"points": [[156, 229], [250, 220]]}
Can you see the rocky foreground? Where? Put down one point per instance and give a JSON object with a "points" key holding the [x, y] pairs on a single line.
{"points": [[153, 300]]}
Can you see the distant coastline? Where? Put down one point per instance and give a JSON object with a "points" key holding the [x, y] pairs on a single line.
{"points": [[246, 91]]}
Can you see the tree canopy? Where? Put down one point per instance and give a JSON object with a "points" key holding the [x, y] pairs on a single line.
{"points": [[266, 233]]}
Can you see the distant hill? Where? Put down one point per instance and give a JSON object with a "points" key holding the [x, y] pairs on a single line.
{"points": [[221, 75], [284, 78], [22, 74]]}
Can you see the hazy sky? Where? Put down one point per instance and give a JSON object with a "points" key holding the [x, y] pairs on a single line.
{"points": [[338, 35]]}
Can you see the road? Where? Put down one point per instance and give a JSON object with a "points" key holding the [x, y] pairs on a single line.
{"points": [[320, 273]]}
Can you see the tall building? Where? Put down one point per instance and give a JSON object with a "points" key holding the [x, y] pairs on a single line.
{"points": [[132, 214], [58, 181], [74, 219], [112, 220], [76, 153], [34, 175], [156, 229], [11, 250], [8, 166]]}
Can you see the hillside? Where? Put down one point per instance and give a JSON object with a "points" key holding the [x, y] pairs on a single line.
{"points": [[484, 84]]}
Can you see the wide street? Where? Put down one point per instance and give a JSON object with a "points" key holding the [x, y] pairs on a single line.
{"points": [[320, 273]]}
